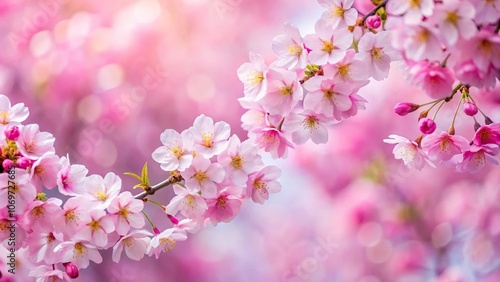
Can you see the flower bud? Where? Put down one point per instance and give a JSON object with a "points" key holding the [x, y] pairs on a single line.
{"points": [[12, 132], [23, 162], [7, 164], [373, 22], [156, 231], [427, 125], [174, 220], [470, 108], [71, 270], [403, 109]]}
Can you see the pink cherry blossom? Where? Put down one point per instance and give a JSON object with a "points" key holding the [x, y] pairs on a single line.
{"points": [[177, 152], [45, 273], [189, 203], [125, 212], [418, 42], [358, 103], [376, 51], [340, 12], [225, 206], [253, 77], [80, 253], [435, 80], [11, 115], [262, 183], [73, 213], [408, 151], [307, 125], [44, 171], [240, 159], [469, 73], [255, 117], [289, 48], [41, 244], [210, 139], [101, 191], [283, 91], [24, 191], [273, 141], [71, 178], [454, 19], [413, 10], [483, 49], [349, 69], [327, 45], [488, 134], [32, 143], [44, 213], [487, 11], [96, 225], [327, 97], [165, 241], [135, 245], [443, 146], [203, 175], [476, 157]]}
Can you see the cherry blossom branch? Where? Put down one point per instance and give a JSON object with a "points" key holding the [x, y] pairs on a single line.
{"points": [[151, 190], [374, 11]]}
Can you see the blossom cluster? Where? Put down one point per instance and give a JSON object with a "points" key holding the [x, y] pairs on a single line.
{"points": [[58, 239], [315, 79], [447, 47]]}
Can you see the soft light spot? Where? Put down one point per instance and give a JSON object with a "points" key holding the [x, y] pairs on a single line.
{"points": [[110, 76], [40, 43], [105, 153], [146, 11], [370, 234], [89, 108], [442, 235]]}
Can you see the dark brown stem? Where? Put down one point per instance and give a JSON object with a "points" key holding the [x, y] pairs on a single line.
{"points": [[152, 189]]}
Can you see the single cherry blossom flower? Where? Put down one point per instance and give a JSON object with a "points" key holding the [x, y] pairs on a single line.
{"points": [[225, 206], [327, 97], [487, 134], [71, 178], [203, 175], [177, 152], [80, 253], [419, 42], [165, 241], [340, 12], [125, 212], [289, 48], [376, 51], [436, 80], [44, 171], [210, 139], [44, 213], [283, 91], [442, 147], [327, 45], [32, 143], [273, 141], [307, 125], [11, 115], [101, 191], [408, 151], [487, 11], [41, 244], [96, 225], [189, 203], [240, 159], [253, 77], [262, 183], [476, 157], [46, 273], [454, 19], [413, 10], [135, 245]]}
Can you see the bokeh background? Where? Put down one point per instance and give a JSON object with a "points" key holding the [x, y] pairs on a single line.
{"points": [[106, 78]]}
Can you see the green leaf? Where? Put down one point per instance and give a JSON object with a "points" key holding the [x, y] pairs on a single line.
{"points": [[134, 176], [145, 177]]}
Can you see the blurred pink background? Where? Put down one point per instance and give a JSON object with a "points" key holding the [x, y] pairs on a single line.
{"points": [[106, 79]]}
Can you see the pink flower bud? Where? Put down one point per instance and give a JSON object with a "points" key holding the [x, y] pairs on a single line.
{"points": [[470, 108], [173, 219], [23, 162], [427, 125], [373, 22], [12, 132], [403, 109], [156, 231], [71, 270], [7, 164]]}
